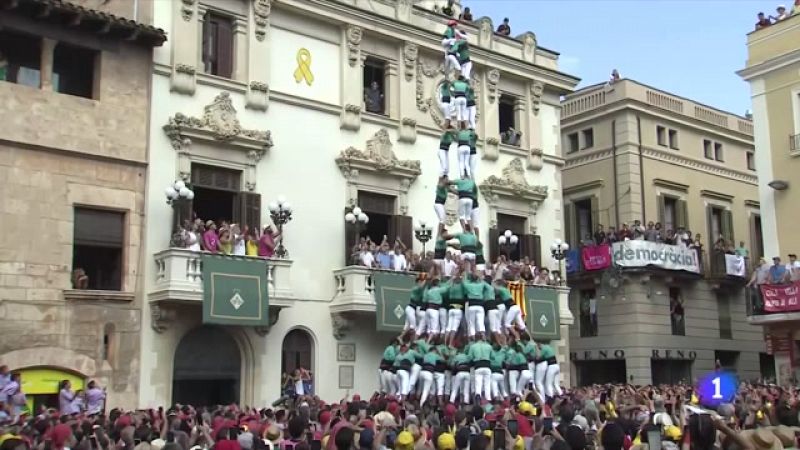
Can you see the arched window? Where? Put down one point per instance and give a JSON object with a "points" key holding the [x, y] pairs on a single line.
{"points": [[298, 351], [207, 368]]}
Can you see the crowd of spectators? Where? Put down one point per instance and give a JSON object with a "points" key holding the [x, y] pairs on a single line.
{"points": [[653, 232], [449, 10], [607, 417], [225, 238], [781, 14], [777, 273]]}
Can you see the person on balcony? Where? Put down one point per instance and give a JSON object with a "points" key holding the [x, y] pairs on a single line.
{"points": [[210, 238], [239, 242], [225, 242], [266, 244], [778, 273]]}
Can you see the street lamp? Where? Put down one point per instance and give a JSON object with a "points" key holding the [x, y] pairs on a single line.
{"points": [[178, 192], [508, 242], [178, 195], [357, 218], [559, 251], [281, 213], [423, 233]]}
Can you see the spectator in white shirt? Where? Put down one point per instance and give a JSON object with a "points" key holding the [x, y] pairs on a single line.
{"points": [[449, 266], [366, 258], [399, 262], [238, 240], [781, 13]]}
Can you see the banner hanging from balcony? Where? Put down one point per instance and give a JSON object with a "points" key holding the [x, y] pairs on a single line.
{"points": [[781, 298], [235, 290], [573, 260], [735, 266], [636, 253], [543, 319], [596, 257], [392, 294]]}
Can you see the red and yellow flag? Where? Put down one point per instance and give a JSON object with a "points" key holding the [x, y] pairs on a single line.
{"points": [[517, 289]]}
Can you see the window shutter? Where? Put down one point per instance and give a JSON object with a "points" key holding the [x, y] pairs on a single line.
{"points": [[207, 42], [537, 250], [401, 227], [662, 214], [494, 250], [682, 214], [595, 215], [531, 247], [350, 240], [710, 228], [727, 225], [569, 223], [250, 210], [99, 227], [224, 48]]}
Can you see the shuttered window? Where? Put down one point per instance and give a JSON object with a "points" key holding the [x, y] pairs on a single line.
{"points": [[218, 47], [98, 242]]}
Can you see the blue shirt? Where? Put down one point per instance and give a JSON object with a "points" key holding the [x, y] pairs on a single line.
{"points": [[384, 260], [777, 273]]}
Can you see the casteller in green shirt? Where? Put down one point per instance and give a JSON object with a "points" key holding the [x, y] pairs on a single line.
{"points": [[546, 352], [474, 290], [480, 351]]}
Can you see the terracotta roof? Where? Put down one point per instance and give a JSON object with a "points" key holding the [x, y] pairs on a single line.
{"points": [[91, 20]]}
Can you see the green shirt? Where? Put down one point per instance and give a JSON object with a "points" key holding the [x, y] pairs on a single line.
{"points": [[475, 197], [449, 33], [446, 139], [444, 89], [431, 358], [546, 352], [433, 295], [465, 187], [464, 136], [390, 354], [473, 139], [515, 358], [503, 294], [444, 350], [460, 359], [441, 194], [497, 358], [488, 292], [474, 290], [470, 94], [455, 291], [440, 244], [460, 88], [416, 295], [461, 49], [422, 346], [529, 349], [468, 241], [410, 356], [480, 351]]}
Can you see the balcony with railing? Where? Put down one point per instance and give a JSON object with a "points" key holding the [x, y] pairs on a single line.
{"points": [[725, 270], [763, 310], [179, 277]]}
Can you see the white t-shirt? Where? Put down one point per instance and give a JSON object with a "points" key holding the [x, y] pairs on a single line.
{"points": [[238, 246], [399, 262], [449, 267], [367, 259]]}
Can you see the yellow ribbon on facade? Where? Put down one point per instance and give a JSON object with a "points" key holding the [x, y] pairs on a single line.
{"points": [[303, 71]]}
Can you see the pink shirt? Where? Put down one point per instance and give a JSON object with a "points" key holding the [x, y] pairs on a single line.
{"points": [[211, 241], [266, 246]]}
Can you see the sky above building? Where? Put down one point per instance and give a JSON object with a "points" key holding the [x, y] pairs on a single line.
{"points": [[691, 48]]}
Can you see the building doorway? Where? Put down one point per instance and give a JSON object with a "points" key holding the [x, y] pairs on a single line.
{"points": [[670, 371], [297, 353], [207, 368], [600, 372]]}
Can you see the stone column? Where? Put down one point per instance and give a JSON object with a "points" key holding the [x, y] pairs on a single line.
{"points": [[46, 64], [258, 56], [409, 54], [186, 22], [352, 78], [562, 345], [489, 114], [534, 128], [392, 90], [523, 121]]}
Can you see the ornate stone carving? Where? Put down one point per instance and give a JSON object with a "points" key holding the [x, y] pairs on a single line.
{"points": [[350, 117], [261, 10], [354, 35], [187, 9], [535, 160], [410, 54], [513, 184], [183, 79], [219, 119], [491, 150], [341, 325], [408, 131], [379, 156], [537, 89], [403, 11], [160, 317], [257, 96], [492, 79], [429, 70], [529, 47], [485, 32]]}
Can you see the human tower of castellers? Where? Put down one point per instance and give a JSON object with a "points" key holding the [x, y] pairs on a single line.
{"points": [[439, 357]]}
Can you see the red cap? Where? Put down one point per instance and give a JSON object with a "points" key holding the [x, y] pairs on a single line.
{"points": [[393, 408], [324, 417], [450, 410], [452, 22]]}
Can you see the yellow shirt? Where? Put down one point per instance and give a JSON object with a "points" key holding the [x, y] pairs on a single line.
{"points": [[251, 248]]}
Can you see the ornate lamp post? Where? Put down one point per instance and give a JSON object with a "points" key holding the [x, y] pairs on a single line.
{"points": [[423, 233], [357, 218], [178, 195], [281, 213], [508, 242], [559, 251]]}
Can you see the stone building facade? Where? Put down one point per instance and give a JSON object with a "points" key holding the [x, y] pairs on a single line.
{"points": [[73, 167]]}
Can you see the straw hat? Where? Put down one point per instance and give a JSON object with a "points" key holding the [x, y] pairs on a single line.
{"points": [[785, 434], [763, 439]]}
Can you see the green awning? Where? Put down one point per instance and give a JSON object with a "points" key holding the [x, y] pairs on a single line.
{"points": [[235, 290], [542, 317], [392, 294]]}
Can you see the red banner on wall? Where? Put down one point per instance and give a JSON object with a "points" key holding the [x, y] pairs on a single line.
{"points": [[780, 298], [596, 257]]}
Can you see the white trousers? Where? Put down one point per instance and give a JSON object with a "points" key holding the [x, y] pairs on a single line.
{"points": [[448, 382], [460, 105], [411, 318], [524, 378], [422, 324], [444, 162], [451, 63], [541, 372], [438, 379], [552, 383], [433, 321], [472, 114], [427, 381], [389, 382], [474, 216], [414, 376], [483, 382], [494, 320], [465, 209], [514, 318], [475, 318], [447, 110], [473, 166], [466, 69], [443, 317], [460, 385], [403, 382], [441, 214], [454, 320], [513, 379], [463, 161], [499, 386]]}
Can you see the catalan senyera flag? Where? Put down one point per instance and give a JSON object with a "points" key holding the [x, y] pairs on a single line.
{"points": [[517, 289]]}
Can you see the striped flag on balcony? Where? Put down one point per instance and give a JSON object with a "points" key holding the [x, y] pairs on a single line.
{"points": [[517, 289]]}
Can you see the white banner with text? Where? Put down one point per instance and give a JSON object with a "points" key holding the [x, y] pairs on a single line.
{"points": [[638, 253]]}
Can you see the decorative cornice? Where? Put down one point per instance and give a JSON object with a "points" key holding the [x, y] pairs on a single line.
{"points": [[537, 89], [673, 158], [513, 184], [219, 122], [594, 184], [716, 195], [769, 65], [354, 36], [410, 55], [575, 161], [752, 204], [187, 9], [378, 157], [674, 185]]}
